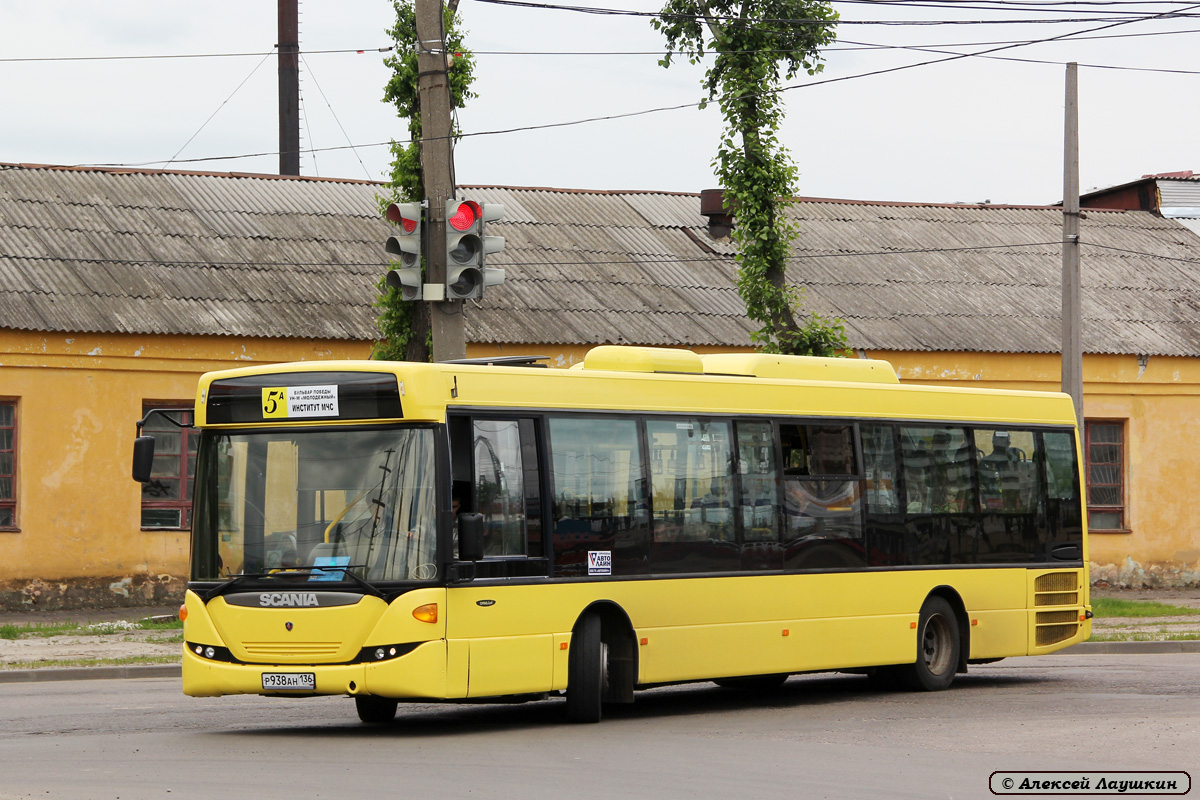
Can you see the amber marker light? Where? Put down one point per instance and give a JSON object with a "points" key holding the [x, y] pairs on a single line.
{"points": [[183, 613], [426, 613]]}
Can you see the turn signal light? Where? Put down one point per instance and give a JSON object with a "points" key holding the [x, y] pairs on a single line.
{"points": [[183, 613], [426, 613]]}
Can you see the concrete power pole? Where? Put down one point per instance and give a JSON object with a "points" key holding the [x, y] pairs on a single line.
{"points": [[437, 167], [289, 87], [1072, 347]]}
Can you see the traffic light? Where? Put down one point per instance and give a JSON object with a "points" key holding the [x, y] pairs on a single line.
{"points": [[466, 247], [405, 247]]}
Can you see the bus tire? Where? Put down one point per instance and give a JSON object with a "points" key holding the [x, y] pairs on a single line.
{"points": [[937, 649], [587, 667], [375, 710]]}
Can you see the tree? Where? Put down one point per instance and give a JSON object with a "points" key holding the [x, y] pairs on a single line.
{"points": [[404, 326], [754, 42]]}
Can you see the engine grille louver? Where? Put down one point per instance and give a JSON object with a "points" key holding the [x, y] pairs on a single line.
{"points": [[1056, 589]]}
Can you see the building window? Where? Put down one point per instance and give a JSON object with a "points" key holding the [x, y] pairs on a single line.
{"points": [[1105, 454], [167, 496], [8, 464]]}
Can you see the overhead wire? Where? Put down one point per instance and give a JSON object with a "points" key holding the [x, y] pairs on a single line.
{"points": [[181, 55], [308, 71], [950, 56], [615, 12], [218, 109]]}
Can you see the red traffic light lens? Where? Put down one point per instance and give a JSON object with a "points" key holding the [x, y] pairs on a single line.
{"points": [[466, 215], [394, 214]]}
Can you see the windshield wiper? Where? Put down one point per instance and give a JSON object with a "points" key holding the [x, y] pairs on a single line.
{"points": [[223, 588]]}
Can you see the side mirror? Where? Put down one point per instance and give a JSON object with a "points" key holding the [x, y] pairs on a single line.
{"points": [[470, 537], [143, 458]]}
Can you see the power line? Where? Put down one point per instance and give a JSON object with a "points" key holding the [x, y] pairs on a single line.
{"points": [[218, 109], [329, 105], [626, 115], [930, 49], [855, 47], [1086, 243], [184, 55], [614, 12]]}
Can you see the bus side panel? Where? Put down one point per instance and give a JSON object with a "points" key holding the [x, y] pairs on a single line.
{"points": [[703, 628], [511, 665], [503, 637], [999, 634]]}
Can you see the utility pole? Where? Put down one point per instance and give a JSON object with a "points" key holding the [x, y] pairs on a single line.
{"points": [[1072, 347], [289, 86], [437, 167]]}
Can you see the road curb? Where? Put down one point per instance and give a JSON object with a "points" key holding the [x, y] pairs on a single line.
{"points": [[1116, 648], [89, 673]]}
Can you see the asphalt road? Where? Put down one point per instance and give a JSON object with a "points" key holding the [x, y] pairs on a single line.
{"points": [[819, 736]]}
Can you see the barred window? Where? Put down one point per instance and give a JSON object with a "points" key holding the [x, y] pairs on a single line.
{"points": [[1105, 456], [8, 464]]}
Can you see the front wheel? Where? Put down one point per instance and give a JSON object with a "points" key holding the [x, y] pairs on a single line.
{"points": [[587, 671], [938, 648], [375, 710]]}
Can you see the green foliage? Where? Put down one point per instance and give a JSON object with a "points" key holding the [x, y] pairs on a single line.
{"points": [[404, 326], [1112, 607], [756, 44]]}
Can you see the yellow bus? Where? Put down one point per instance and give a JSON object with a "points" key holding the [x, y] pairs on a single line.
{"points": [[467, 531]]}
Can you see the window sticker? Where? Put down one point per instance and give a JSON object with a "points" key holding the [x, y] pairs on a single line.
{"points": [[298, 402], [599, 562], [329, 574]]}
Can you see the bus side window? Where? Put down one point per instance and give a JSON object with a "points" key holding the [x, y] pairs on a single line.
{"points": [[823, 504], [1062, 487], [756, 465], [691, 471], [500, 486], [600, 502]]}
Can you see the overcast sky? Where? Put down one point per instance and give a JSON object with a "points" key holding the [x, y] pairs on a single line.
{"points": [[968, 130]]}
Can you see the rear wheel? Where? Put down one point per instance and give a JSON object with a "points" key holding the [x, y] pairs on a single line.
{"points": [[937, 649], [587, 671], [375, 710]]}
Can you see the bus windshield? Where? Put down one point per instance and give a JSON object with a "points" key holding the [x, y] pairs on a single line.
{"points": [[316, 503]]}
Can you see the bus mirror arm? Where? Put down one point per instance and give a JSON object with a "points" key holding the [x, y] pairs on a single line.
{"points": [[460, 571], [470, 537]]}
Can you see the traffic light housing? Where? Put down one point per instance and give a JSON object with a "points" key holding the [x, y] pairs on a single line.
{"points": [[466, 248], [405, 248]]}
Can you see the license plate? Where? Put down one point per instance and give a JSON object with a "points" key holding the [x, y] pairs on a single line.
{"points": [[274, 681]]}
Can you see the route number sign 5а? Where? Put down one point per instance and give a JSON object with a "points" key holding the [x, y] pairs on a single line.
{"points": [[298, 402]]}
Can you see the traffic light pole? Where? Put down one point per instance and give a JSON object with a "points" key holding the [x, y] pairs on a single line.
{"points": [[437, 167], [1072, 340]]}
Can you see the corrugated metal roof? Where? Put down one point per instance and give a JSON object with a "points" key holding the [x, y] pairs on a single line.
{"points": [[94, 250]]}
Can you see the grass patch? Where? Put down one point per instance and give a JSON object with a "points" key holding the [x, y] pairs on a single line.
{"points": [[177, 639], [1109, 607], [1161, 636], [46, 629], [125, 661]]}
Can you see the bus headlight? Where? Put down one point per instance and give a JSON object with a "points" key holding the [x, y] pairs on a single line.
{"points": [[384, 652], [211, 652]]}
